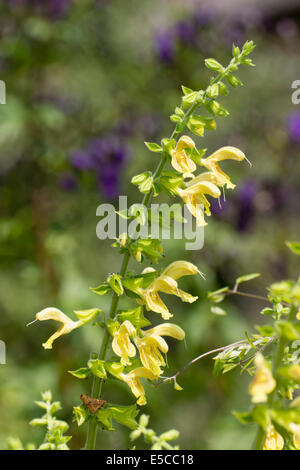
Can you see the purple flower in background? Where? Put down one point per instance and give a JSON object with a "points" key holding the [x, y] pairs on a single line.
{"points": [[68, 181], [185, 31], [108, 156], [105, 156], [165, 46], [55, 9], [204, 17], [287, 29], [293, 126], [219, 207], [81, 160], [245, 204], [234, 32]]}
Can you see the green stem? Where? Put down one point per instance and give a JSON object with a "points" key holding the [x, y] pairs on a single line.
{"points": [[97, 382], [277, 360]]}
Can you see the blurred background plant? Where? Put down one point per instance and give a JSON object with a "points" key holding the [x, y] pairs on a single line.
{"points": [[87, 82]]}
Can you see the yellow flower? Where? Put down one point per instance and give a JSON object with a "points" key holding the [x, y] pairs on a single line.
{"points": [[224, 153], [152, 344], [51, 313], [132, 380], [180, 160], [194, 197], [121, 343], [273, 440], [166, 283], [298, 315], [263, 382], [295, 428]]}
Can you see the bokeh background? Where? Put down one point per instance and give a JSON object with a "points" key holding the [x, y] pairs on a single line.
{"points": [[87, 82]]}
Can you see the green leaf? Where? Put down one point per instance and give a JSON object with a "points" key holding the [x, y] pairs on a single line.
{"points": [[217, 310], [223, 89], [213, 90], [290, 372], [179, 111], [217, 295], [170, 182], [260, 415], [97, 368], [175, 118], [248, 47], [169, 435], [190, 98], [81, 373], [102, 289], [229, 367], [186, 90], [294, 247], [153, 147], [207, 122], [287, 330], [246, 277], [80, 414], [265, 330], [216, 108], [125, 415], [235, 51], [104, 417], [213, 64], [218, 366], [146, 185], [135, 316], [141, 177], [233, 80], [114, 280], [244, 417], [38, 422], [285, 417], [177, 386], [168, 144], [150, 248], [267, 311], [114, 368]]}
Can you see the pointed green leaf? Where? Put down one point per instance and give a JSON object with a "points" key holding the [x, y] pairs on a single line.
{"points": [[294, 247], [81, 373], [246, 277]]}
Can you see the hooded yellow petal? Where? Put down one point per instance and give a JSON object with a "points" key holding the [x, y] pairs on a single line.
{"points": [[132, 380], [273, 440], [165, 284], [52, 313], [223, 153], [186, 297], [226, 153], [194, 196], [185, 142], [150, 354], [154, 303], [121, 344], [166, 329], [178, 269], [180, 160], [63, 330], [195, 209], [206, 176], [263, 382]]}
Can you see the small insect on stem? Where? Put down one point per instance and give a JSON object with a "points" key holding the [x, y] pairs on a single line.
{"points": [[92, 404]]}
